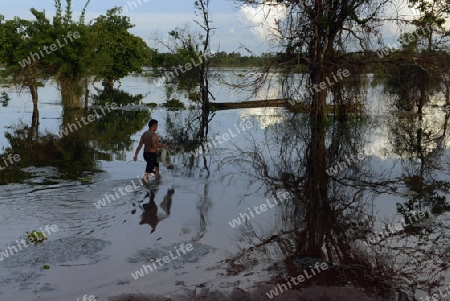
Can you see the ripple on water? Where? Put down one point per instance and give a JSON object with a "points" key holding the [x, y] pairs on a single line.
{"points": [[57, 251], [147, 255], [26, 265]]}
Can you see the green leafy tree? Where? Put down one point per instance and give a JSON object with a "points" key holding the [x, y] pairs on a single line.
{"points": [[80, 51], [121, 52], [15, 43], [433, 15], [35, 51], [431, 23]]}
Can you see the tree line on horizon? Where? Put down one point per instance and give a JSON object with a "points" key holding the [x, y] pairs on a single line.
{"points": [[219, 59]]}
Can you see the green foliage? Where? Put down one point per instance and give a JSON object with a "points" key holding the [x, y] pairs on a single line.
{"points": [[75, 154], [112, 133], [174, 104], [235, 59], [16, 45], [119, 97], [220, 59], [409, 41], [30, 54], [104, 49], [433, 15], [152, 105], [411, 81], [439, 204], [36, 236], [85, 180], [121, 52], [433, 12], [4, 99], [71, 154]]}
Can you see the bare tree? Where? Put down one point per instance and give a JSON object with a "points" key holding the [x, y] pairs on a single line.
{"points": [[202, 7]]}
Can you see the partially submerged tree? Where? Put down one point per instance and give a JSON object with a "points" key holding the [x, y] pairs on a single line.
{"points": [[38, 50], [70, 52], [420, 67], [118, 52], [72, 62], [14, 47], [434, 53], [202, 7], [433, 15], [189, 70], [316, 34]]}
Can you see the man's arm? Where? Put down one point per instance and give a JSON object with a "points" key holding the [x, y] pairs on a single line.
{"points": [[155, 142], [141, 143]]}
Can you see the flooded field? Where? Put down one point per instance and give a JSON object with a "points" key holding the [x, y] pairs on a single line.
{"points": [[276, 209]]}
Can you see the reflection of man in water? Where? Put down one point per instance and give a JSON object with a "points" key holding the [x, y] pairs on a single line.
{"points": [[151, 141], [167, 201], [150, 214]]}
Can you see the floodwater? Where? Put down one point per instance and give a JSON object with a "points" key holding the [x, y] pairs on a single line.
{"points": [[273, 171]]}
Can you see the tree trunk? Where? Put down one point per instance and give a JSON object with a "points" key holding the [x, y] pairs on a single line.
{"points": [[71, 93], [320, 53], [203, 6], [86, 94], [72, 116], [317, 192], [423, 89], [447, 89], [108, 84], [319, 96], [205, 104], [34, 129], [34, 94]]}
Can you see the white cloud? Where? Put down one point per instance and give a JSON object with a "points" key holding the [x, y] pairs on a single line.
{"points": [[262, 19], [229, 33]]}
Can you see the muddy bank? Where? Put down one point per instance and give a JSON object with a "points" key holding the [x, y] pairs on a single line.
{"points": [[314, 293]]}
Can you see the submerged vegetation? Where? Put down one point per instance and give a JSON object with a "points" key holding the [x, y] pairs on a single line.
{"points": [[36, 236]]}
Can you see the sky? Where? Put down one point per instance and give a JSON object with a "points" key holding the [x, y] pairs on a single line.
{"points": [[235, 25]]}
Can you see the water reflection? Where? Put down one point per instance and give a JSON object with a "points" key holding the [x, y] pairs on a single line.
{"points": [[203, 206], [4, 99], [166, 204], [78, 145], [150, 210], [331, 216]]}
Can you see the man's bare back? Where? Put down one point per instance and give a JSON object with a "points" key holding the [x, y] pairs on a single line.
{"points": [[151, 141]]}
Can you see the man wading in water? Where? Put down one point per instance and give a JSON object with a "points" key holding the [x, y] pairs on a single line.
{"points": [[151, 141]]}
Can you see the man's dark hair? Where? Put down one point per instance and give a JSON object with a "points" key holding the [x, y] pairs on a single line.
{"points": [[152, 122]]}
